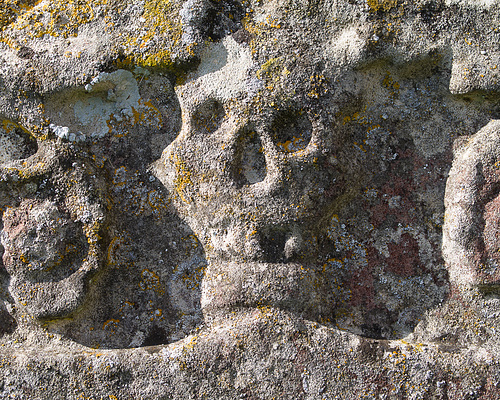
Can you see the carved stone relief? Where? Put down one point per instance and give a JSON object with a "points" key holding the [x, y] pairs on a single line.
{"points": [[470, 243], [256, 183], [52, 231]]}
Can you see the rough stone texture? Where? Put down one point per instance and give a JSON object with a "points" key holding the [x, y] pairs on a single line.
{"points": [[263, 199]]}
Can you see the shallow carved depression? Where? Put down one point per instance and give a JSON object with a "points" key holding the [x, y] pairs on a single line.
{"points": [[42, 243], [291, 130], [249, 162], [208, 116], [15, 142]]}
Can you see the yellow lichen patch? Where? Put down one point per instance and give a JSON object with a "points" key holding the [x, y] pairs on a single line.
{"points": [[161, 19], [56, 17], [318, 86], [182, 179], [92, 233], [358, 117], [10, 9], [385, 5], [272, 72], [10, 126], [160, 59], [158, 15], [391, 85]]}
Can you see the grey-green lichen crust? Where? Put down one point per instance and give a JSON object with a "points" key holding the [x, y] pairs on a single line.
{"points": [[260, 199]]}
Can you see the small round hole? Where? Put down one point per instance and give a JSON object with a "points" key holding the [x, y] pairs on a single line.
{"points": [[208, 116], [291, 131]]}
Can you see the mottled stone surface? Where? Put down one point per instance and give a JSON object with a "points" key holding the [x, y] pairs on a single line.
{"points": [[230, 199]]}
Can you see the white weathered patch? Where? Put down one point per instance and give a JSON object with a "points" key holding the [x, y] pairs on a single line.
{"points": [[122, 95], [224, 71], [347, 48], [64, 133], [483, 3], [78, 116]]}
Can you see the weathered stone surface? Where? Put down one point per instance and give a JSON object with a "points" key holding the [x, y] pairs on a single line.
{"points": [[259, 199]]}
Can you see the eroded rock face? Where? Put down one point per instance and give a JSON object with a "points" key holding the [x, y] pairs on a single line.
{"points": [[471, 231], [249, 199], [255, 182], [52, 228]]}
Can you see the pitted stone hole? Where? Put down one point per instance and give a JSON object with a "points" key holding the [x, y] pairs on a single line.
{"points": [[156, 336], [275, 243], [15, 142], [249, 163], [291, 130], [208, 116]]}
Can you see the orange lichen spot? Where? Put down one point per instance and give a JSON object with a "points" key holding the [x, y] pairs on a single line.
{"points": [[156, 314], [182, 179], [293, 145], [273, 22], [151, 281], [360, 146], [192, 279], [147, 115], [120, 176], [114, 249], [381, 5], [110, 325]]}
